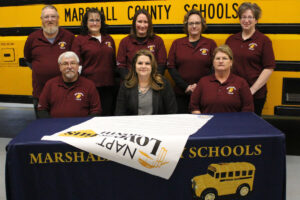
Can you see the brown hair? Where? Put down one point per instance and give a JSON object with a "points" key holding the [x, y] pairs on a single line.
{"points": [[187, 16], [84, 22], [250, 6], [156, 81], [224, 49], [150, 32]]}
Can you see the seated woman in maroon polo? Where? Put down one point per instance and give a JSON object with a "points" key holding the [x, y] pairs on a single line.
{"points": [[141, 37], [145, 92], [69, 95], [221, 91]]}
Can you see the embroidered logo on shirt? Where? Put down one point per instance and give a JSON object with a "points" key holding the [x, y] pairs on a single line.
{"points": [[108, 44], [252, 46], [62, 45], [204, 51], [78, 96], [151, 48], [230, 89]]}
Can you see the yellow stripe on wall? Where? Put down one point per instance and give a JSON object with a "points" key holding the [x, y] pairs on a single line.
{"points": [[163, 12]]}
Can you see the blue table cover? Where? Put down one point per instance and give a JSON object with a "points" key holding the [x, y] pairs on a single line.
{"points": [[43, 170]]}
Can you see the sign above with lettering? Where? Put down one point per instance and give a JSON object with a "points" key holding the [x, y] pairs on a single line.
{"points": [[152, 143], [162, 12]]}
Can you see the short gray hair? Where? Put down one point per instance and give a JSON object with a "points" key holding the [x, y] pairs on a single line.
{"points": [[49, 7], [68, 54]]}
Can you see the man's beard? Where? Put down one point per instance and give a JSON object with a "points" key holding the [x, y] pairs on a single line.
{"points": [[50, 30], [70, 75]]}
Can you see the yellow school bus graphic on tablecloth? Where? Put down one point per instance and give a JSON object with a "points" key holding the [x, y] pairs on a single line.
{"points": [[147, 161], [224, 179]]}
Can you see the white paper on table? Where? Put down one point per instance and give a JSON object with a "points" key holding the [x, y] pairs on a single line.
{"points": [[150, 143]]}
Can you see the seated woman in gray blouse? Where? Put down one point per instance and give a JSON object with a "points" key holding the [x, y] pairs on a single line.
{"points": [[144, 91]]}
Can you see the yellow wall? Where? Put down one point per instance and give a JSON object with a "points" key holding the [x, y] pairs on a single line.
{"points": [[15, 80]]}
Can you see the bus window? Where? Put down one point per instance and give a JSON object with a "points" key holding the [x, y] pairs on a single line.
{"points": [[237, 173], [217, 175], [223, 174], [244, 173], [250, 172], [230, 174], [211, 173]]}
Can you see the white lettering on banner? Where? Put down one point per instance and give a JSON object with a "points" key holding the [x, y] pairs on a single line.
{"points": [[151, 143]]}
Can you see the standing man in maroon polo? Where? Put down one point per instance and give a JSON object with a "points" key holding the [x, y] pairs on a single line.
{"points": [[42, 49], [69, 95]]}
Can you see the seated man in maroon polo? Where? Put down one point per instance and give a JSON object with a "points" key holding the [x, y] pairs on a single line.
{"points": [[69, 95]]}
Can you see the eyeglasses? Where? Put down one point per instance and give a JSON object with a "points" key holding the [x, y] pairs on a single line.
{"points": [[194, 23], [72, 64], [50, 17], [247, 17], [94, 21]]}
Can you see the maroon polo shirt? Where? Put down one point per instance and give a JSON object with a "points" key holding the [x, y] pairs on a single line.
{"points": [[97, 59], [210, 96], [79, 100], [129, 46], [43, 56], [192, 63], [251, 57]]}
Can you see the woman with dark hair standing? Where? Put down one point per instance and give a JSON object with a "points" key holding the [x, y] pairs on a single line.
{"points": [[190, 58], [253, 52], [96, 51], [141, 37], [145, 92]]}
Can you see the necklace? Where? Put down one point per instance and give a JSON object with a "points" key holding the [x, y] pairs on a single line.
{"points": [[143, 90]]}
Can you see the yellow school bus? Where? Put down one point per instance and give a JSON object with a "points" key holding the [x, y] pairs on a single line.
{"points": [[224, 179], [280, 22]]}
